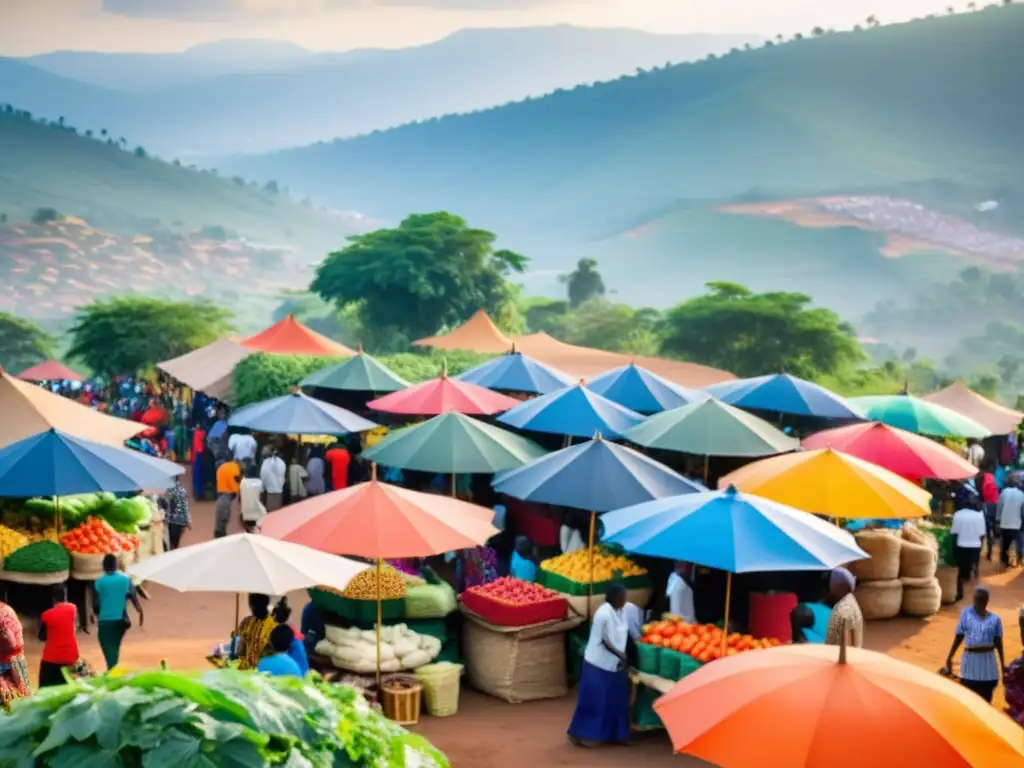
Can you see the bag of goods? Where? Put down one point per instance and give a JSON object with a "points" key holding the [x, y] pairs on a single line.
{"points": [[510, 602], [921, 597], [879, 599], [39, 557], [570, 572], [10, 541], [883, 563], [400, 648], [429, 601], [918, 561], [340, 636], [364, 585], [325, 648]]}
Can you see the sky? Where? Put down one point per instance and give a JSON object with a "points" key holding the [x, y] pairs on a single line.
{"points": [[36, 26]]}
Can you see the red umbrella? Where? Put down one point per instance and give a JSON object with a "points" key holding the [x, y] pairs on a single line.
{"points": [[904, 453], [49, 370], [437, 396]]}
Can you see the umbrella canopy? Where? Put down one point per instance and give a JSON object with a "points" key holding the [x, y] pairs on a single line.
{"points": [[454, 443], [732, 532], [290, 337], [28, 410], [642, 391], [830, 483], [782, 393], [996, 418], [444, 394], [918, 416], [382, 521], [360, 373], [515, 372], [49, 370], [903, 453], [208, 369], [299, 414], [478, 334], [798, 703], [597, 476], [53, 463], [247, 563], [711, 428], [575, 411]]}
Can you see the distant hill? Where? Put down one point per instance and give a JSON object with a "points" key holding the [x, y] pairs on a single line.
{"points": [[308, 97]]}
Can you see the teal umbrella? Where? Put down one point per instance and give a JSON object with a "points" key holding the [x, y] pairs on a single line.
{"points": [[360, 373], [456, 444], [919, 416]]}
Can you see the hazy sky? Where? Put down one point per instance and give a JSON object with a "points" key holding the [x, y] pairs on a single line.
{"points": [[32, 26]]}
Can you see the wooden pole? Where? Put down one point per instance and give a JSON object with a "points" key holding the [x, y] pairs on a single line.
{"points": [[379, 619], [590, 555], [238, 600], [707, 463], [725, 624], [454, 494]]}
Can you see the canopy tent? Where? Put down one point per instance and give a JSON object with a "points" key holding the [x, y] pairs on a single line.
{"points": [[784, 394], [516, 372], [299, 414], [28, 410], [290, 337], [443, 394], [208, 369], [996, 418], [573, 411], [921, 417], [49, 370], [640, 390], [478, 334], [362, 373]]}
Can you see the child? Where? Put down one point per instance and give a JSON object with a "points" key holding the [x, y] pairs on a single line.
{"points": [[280, 664]]}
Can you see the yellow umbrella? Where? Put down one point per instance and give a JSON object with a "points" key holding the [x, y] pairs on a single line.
{"points": [[833, 484]]}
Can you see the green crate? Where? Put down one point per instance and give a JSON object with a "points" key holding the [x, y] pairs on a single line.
{"points": [[451, 652], [687, 665], [577, 647], [648, 657], [668, 664], [359, 612], [433, 627], [578, 589], [644, 716]]}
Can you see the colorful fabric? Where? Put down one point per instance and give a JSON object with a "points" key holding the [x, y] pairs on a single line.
{"points": [[177, 507], [14, 677], [979, 632], [255, 636], [479, 566]]}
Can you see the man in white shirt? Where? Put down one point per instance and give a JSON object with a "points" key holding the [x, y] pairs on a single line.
{"points": [[272, 475], [968, 533], [242, 447], [1008, 513], [974, 452], [680, 594]]}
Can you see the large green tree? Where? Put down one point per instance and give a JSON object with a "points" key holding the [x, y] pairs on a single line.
{"points": [[431, 271], [752, 334], [22, 344], [583, 283], [123, 335]]}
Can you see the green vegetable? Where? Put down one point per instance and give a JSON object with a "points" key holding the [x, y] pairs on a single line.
{"points": [[40, 557], [40, 508], [126, 515], [223, 718]]}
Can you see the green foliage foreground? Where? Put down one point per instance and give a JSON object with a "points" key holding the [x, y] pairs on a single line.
{"points": [[222, 719], [22, 344]]}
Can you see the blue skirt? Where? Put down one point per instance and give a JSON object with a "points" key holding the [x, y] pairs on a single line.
{"points": [[602, 706]]}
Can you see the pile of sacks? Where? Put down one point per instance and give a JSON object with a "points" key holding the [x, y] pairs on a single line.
{"points": [[355, 650], [900, 574]]}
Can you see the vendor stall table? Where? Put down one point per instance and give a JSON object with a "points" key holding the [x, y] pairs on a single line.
{"points": [[643, 692]]}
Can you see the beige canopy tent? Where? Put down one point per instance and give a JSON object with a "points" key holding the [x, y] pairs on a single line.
{"points": [[480, 334], [996, 418], [28, 409]]}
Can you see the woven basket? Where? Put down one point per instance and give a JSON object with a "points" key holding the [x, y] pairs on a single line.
{"points": [[915, 535], [918, 561], [947, 583], [402, 704], [922, 599], [883, 563], [879, 599], [86, 567], [441, 684], [39, 579]]}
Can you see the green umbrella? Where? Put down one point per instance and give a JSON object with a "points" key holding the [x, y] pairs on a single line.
{"points": [[711, 428], [919, 416], [454, 443], [360, 373]]}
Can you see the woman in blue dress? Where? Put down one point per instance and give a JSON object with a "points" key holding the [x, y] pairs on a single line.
{"points": [[981, 633]]}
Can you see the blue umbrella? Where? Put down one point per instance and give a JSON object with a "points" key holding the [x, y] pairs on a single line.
{"points": [[515, 372], [575, 411], [782, 393], [642, 391], [299, 414], [55, 463]]}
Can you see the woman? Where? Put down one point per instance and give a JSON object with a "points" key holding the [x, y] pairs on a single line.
{"points": [[602, 702], [985, 484], [250, 491], [57, 631], [296, 649], [13, 667], [981, 633], [522, 567], [254, 633]]}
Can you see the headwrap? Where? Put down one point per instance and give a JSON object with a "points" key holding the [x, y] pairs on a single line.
{"points": [[842, 576]]}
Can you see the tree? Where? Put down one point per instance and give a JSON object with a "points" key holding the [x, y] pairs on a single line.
{"points": [[583, 283], [818, 31], [872, 21], [615, 327], [752, 334], [431, 271], [46, 215], [124, 335], [140, 152], [22, 344]]}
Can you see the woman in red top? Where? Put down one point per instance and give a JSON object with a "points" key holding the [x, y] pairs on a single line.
{"points": [[57, 631], [985, 485], [338, 459]]}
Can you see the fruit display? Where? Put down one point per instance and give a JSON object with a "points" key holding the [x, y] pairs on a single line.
{"points": [[11, 541], [703, 642], [39, 557], [570, 573], [96, 537], [364, 585], [355, 650], [511, 602]]}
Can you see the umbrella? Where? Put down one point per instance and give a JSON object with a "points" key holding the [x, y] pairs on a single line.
{"points": [[827, 482], [515, 372], [904, 453], [996, 418], [49, 370], [575, 412], [444, 394], [54, 463], [797, 704], [918, 416], [782, 393], [299, 414], [453, 443], [360, 373], [642, 391]]}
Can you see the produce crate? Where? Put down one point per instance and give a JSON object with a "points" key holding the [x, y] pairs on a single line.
{"points": [[687, 665], [648, 658], [509, 615], [668, 664], [357, 611], [568, 586], [644, 718]]}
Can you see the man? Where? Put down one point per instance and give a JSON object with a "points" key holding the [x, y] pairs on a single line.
{"points": [[338, 458], [272, 474], [113, 592], [280, 664], [199, 463], [680, 593], [229, 475], [1008, 514], [242, 447], [974, 452], [846, 615], [57, 631], [177, 519], [968, 533]]}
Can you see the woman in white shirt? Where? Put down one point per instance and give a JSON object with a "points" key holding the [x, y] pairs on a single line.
{"points": [[680, 594], [250, 491], [968, 532], [602, 699]]}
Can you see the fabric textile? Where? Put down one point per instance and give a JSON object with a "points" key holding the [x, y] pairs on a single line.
{"points": [[177, 507], [14, 677], [602, 706], [984, 688], [274, 501], [338, 460], [255, 636], [522, 568], [242, 447], [967, 561], [297, 475], [315, 483], [1010, 538], [1008, 512], [680, 598]]}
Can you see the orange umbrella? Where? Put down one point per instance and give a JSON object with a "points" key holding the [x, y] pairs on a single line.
{"points": [[799, 706]]}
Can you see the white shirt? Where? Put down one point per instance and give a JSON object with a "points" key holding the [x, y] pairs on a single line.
{"points": [[1008, 511], [297, 475], [569, 539], [975, 454], [272, 474], [969, 528], [610, 625], [249, 491], [680, 598], [242, 447], [634, 620]]}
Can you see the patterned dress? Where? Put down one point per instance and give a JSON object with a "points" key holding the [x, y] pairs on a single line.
{"points": [[13, 667], [255, 636], [979, 632], [845, 614]]}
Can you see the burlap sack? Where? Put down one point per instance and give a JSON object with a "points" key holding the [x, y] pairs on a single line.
{"points": [[947, 583], [922, 599], [879, 599], [86, 567], [884, 561]]}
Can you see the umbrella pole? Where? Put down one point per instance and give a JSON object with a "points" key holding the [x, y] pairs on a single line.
{"points": [[379, 612], [56, 515], [590, 551], [725, 624], [454, 494], [237, 611], [707, 462]]}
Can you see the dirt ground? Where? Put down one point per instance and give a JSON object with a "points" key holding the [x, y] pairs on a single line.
{"points": [[181, 629]]}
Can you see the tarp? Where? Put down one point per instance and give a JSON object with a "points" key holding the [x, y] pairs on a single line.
{"points": [[208, 369], [28, 409], [290, 337], [998, 419], [478, 334], [49, 370]]}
